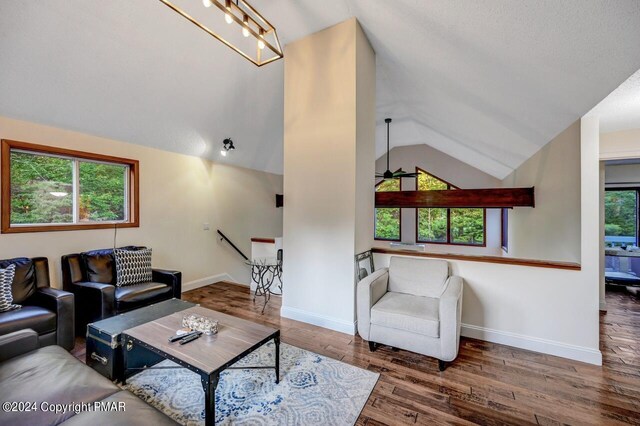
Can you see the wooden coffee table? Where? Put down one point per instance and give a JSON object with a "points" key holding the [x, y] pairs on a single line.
{"points": [[207, 356]]}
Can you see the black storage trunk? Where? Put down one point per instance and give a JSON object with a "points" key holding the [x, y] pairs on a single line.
{"points": [[104, 342]]}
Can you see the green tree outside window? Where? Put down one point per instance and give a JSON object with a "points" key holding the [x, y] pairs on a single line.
{"points": [[439, 225], [387, 221]]}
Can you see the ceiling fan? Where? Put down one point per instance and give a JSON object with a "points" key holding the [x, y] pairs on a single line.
{"points": [[388, 174]]}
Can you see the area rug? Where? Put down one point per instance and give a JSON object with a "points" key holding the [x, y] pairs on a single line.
{"points": [[313, 390]]}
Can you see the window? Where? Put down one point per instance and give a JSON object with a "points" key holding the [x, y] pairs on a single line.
{"points": [[621, 217], [53, 189], [387, 221], [447, 226], [504, 234]]}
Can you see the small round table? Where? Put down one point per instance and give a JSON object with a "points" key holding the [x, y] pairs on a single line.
{"points": [[265, 271]]}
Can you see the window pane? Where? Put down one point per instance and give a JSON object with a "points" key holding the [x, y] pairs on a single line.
{"points": [[387, 221], [620, 212], [467, 226], [41, 189], [505, 229], [102, 192], [387, 224], [432, 225], [388, 185], [426, 182]]}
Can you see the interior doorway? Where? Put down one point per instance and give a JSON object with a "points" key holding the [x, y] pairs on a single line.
{"points": [[621, 222]]}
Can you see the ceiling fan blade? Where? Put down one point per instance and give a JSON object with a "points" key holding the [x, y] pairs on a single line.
{"points": [[401, 174]]}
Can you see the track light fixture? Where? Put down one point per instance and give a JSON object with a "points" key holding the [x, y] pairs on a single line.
{"points": [[227, 145]]}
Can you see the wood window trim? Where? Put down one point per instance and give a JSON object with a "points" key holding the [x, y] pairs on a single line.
{"points": [[449, 242], [5, 191], [399, 218]]}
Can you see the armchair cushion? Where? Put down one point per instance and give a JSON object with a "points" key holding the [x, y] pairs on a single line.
{"points": [[39, 319], [132, 266], [6, 296], [99, 266], [24, 281], [420, 277], [137, 295], [407, 312]]}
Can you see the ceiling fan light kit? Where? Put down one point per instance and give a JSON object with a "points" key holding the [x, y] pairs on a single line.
{"points": [[246, 31]]}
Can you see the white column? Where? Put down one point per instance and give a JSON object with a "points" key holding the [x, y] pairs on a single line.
{"points": [[329, 158]]}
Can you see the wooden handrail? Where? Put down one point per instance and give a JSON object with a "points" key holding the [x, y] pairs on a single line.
{"points": [[224, 237], [487, 259]]}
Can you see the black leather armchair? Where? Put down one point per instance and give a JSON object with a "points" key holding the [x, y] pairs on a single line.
{"points": [[91, 276], [48, 311]]}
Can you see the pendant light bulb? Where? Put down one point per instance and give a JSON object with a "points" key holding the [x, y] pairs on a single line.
{"points": [[207, 3], [261, 39], [245, 28], [228, 19], [223, 152]]}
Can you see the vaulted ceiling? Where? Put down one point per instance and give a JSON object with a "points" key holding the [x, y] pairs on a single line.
{"points": [[488, 82], [621, 109]]}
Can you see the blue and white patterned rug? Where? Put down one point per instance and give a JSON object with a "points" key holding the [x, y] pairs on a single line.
{"points": [[313, 390]]}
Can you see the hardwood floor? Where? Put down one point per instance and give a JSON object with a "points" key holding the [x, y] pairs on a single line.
{"points": [[487, 384]]}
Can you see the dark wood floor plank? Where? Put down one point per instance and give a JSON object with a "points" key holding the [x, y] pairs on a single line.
{"points": [[488, 384]]}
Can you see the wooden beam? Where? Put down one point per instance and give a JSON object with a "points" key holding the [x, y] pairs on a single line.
{"points": [[458, 198]]}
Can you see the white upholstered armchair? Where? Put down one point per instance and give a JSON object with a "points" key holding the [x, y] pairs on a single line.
{"points": [[413, 305]]}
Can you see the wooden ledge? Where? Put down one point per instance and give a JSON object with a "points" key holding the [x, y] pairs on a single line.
{"points": [[487, 259], [263, 240]]}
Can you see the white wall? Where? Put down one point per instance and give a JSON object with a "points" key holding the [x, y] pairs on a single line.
{"points": [[178, 193], [365, 134], [551, 230], [451, 170], [552, 311], [540, 309], [620, 145], [329, 120]]}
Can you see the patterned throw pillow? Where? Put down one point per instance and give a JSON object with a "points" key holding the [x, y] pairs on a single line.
{"points": [[6, 298], [132, 266]]}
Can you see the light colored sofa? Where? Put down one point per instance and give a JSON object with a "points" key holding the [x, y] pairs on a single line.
{"points": [[413, 305]]}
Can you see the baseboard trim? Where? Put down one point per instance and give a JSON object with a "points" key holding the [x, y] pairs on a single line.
{"points": [[319, 320], [603, 305], [192, 285], [551, 347]]}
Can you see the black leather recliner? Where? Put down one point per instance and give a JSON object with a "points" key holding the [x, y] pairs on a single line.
{"points": [[91, 276], [46, 310]]}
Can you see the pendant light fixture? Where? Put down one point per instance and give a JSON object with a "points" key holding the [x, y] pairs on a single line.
{"points": [[259, 42]]}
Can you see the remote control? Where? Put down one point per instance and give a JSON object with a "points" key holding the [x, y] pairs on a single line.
{"points": [[190, 338], [182, 336]]}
